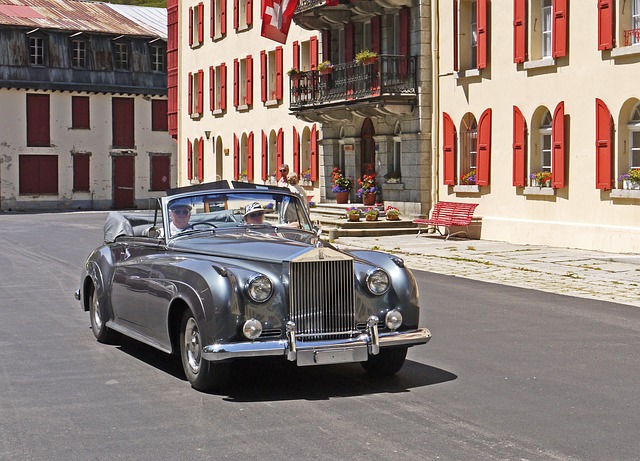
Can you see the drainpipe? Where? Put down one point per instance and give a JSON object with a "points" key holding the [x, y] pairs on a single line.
{"points": [[435, 97]]}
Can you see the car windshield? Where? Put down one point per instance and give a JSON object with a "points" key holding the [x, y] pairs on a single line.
{"points": [[195, 212]]}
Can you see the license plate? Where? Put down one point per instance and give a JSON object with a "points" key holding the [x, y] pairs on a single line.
{"points": [[328, 357]]}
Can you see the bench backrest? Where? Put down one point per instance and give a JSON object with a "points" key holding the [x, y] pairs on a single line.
{"points": [[454, 211]]}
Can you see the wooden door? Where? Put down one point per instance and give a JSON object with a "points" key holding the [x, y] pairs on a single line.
{"points": [[123, 181]]}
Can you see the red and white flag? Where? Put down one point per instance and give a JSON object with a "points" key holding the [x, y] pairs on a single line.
{"points": [[276, 19]]}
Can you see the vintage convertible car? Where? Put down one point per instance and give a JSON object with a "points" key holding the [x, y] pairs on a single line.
{"points": [[201, 277]]}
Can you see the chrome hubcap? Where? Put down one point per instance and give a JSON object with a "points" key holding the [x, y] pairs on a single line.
{"points": [[192, 345], [97, 320]]}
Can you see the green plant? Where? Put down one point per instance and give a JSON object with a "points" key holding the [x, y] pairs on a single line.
{"points": [[392, 211], [367, 185], [353, 212], [469, 178], [293, 72], [364, 55], [339, 181], [541, 176], [634, 175], [325, 65], [372, 212]]}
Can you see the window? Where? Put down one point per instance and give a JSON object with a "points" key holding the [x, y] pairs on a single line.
{"points": [[196, 25], [80, 112], [470, 34], [468, 147], [540, 30], [546, 28], [196, 96], [38, 174], [123, 123], [38, 114], [218, 88], [157, 58], [218, 18], [160, 165], [271, 67], [242, 14], [79, 53], [81, 172], [121, 56], [541, 150], [36, 51], [546, 164], [243, 83], [473, 164], [634, 138], [195, 160], [159, 118]]}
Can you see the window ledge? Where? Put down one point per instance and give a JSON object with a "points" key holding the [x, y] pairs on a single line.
{"points": [[243, 28], [469, 73], [272, 103], [539, 64], [243, 108], [217, 112], [535, 190], [195, 116], [467, 188], [393, 186], [625, 193], [218, 37], [630, 50]]}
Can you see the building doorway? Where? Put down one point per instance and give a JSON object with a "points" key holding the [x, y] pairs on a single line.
{"points": [[367, 148], [123, 181]]}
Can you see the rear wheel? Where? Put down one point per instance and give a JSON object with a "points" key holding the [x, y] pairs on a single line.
{"points": [[202, 374], [96, 312], [388, 361]]}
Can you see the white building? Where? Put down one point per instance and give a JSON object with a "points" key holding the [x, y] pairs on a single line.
{"points": [[84, 92]]}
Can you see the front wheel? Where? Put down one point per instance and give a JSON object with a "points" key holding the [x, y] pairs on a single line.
{"points": [[100, 330], [202, 374], [388, 361]]}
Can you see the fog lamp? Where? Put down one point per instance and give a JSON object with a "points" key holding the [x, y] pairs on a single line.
{"points": [[252, 329], [393, 320]]}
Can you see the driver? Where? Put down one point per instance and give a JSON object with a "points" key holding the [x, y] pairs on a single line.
{"points": [[254, 213], [179, 215]]}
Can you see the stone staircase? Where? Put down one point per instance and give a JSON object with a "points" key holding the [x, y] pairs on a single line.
{"points": [[331, 218]]}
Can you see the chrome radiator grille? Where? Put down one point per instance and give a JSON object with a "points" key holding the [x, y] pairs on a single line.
{"points": [[321, 297]]}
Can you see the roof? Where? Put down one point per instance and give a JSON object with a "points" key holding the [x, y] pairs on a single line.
{"points": [[82, 16]]}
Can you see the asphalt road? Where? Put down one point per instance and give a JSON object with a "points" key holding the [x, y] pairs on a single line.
{"points": [[510, 374]]}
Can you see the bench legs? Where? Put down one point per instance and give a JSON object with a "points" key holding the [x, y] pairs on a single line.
{"points": [[447, 231]]}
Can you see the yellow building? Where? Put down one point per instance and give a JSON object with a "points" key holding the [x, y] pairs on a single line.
{"points": [[539, 119]]}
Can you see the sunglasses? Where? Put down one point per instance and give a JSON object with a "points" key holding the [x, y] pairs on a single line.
{"points": [[180, 212], [283, 170]]}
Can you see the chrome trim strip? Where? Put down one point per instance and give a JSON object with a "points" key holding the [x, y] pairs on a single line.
{"points": [[217, 352]]}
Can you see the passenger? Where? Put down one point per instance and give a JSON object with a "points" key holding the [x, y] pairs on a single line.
{"points": [[254, 213]]}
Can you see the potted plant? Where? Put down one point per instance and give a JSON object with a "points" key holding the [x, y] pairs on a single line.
{"points": [[306, 178], [392, 177], [631, 179], [368, 189], [243, 176], [325, 67], [541, 179], [469, 178], [294, 73], [341, 185], [371, 214], [365, 57], [353, 214], [392, 213]]}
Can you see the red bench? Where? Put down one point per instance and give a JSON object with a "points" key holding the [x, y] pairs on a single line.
{"points": [[447, 214]]}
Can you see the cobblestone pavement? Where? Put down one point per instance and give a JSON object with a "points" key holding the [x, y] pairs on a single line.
{"points": [[588, 274]]}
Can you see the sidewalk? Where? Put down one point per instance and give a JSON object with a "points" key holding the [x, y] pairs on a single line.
{"points": [[583, 273]]}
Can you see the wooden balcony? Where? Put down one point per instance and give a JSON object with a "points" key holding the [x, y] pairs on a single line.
{"points": [[387, 85]]}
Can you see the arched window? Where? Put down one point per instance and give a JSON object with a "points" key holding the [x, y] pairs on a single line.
{"points": [[634, 138], [218, 154], [468, 149], [272, 159], [540, 165], [244, 163]]}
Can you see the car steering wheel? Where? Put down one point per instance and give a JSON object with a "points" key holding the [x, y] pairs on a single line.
{"points": [[203, 223]]}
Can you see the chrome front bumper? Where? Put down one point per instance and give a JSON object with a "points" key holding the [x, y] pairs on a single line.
{"points": [[306, 353]]}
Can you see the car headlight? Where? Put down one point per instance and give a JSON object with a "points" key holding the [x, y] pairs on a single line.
{"points": [[377, 281], [259, 288], [393, 319], [252, 329]]}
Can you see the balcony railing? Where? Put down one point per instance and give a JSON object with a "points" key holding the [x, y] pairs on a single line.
{"points": [[305, 5], [386, 76], [631, 36]]}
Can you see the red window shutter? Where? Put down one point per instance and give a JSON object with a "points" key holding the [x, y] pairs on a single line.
{"points": [[375, 34], [313, 148], [80, 112], [81, 172], [235, 14], [519, 148], [558, 144], [159, 115], [455, 35], [236, 157], [200, 22], [279, 64], [212, 87], [448, 150], [201, 159], [265, 154], [559, 28], [249, 82], [250, 157], [604, 146], [123, 122], [296, 150], [223, 17], [160, 172], [189, 160], [519, 30], [249, 12], [263, 76], [326, 45], [313, 53], [484, 149], [349, 32], [296, 55], [38, 127], [190, 26], [280, 148], [190, 94], [223, 86], [200, 92], [483, 32], [236, 87], [212, 18], [605, 24], [405, 31]]}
